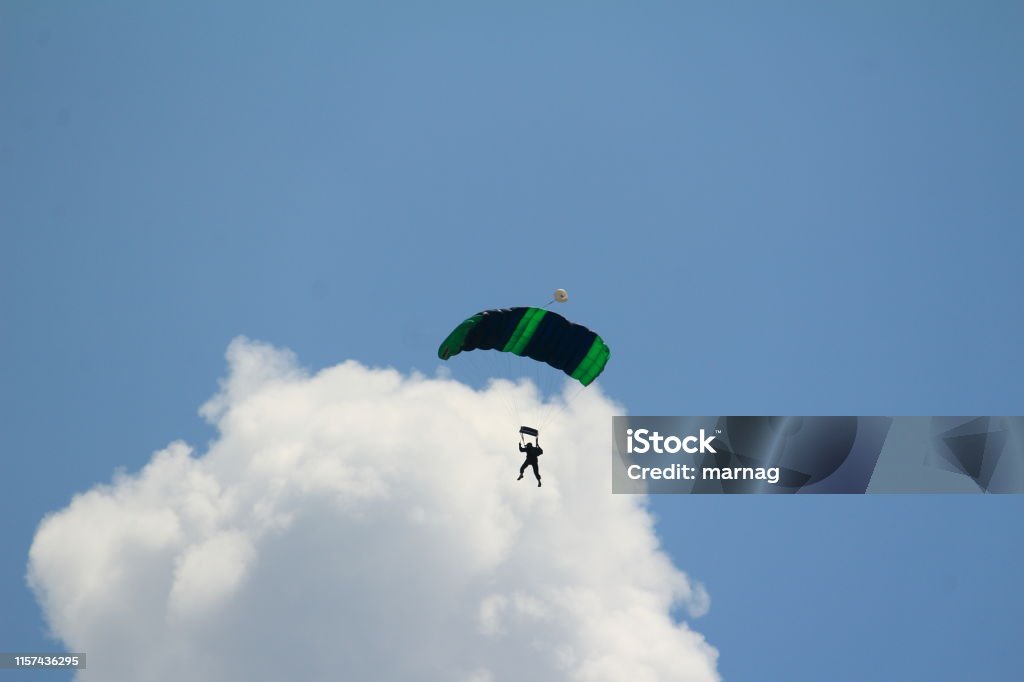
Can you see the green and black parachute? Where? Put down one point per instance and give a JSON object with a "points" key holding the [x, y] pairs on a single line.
{"points": [[535, 333]]}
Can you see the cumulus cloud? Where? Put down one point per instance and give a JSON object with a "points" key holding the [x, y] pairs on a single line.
{"points": [[359, 524]]}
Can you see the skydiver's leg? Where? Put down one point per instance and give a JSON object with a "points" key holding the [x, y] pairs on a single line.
{"points": [[522, 469], [536, 472]]}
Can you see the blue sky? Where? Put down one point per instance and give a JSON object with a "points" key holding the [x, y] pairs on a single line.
{"points": [[788, 209]]}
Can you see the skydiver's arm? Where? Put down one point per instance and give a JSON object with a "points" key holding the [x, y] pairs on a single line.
{"points": [[522, 448]]}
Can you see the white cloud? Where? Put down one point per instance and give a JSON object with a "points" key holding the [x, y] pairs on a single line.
{"points": [[360, 524]]}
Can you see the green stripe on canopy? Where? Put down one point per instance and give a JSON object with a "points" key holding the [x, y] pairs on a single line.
{"points": [[453, 344], [592, 363], [524, 331]]}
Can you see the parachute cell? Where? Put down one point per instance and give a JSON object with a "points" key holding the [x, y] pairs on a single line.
{"points": [[535, 333]]}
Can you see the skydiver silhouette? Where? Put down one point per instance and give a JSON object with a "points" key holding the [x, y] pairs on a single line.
{"points": [[532, 453]]}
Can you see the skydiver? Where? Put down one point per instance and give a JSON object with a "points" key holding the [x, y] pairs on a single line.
{"points": [[532, 453]]}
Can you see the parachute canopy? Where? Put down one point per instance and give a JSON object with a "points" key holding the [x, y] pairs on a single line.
{"points": [[535, 333]]}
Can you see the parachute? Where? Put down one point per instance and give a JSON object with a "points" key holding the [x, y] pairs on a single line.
{"points": [[535, 333]]}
